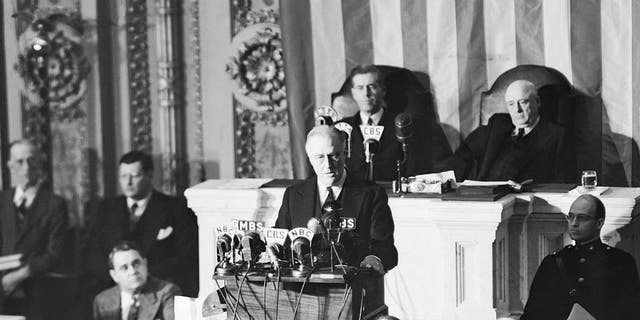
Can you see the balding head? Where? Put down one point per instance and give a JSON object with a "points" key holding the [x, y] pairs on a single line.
{"points": [[586, 218], [522, 102], [325, 149]]}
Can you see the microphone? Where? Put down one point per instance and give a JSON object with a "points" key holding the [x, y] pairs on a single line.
{"points": [[370, 149], [314, 225], [276, 255], [404, 130], [301, 257], [325, 115], [252, 246], [225, 245], [331, 221]]}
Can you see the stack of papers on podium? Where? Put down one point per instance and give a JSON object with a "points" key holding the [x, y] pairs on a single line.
{"points": [[11, 261]]}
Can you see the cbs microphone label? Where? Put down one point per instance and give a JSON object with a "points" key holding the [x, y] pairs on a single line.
{"points": [[247, 225], [275, 235], [371, 132]]}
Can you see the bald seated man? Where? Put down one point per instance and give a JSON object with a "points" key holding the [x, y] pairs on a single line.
{"points": [[363, 200], [601, 279], [516, 146]]}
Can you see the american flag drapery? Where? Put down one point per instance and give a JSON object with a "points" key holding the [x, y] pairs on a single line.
{"points": [[463, 46]]}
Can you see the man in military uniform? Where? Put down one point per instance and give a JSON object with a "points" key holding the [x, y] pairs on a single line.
{"points": [[601, 279]]}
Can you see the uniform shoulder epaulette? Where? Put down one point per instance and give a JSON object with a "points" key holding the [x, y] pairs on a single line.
{"points": [[566, 248]]}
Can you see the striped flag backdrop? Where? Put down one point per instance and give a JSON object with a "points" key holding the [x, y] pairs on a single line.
{"points": [[463, 46]]}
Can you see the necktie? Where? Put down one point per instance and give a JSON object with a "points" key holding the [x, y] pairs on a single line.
{"points": [[329, 201], [133, 310], [21, 211], [330, 196], [518, 136], [370, 122], [133, 219]]}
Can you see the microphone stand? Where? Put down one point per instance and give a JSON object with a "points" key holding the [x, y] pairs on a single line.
{"points": [[397, 187]]}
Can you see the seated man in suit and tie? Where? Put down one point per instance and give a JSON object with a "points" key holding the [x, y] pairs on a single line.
{"points": [[365, 201], [164, 227], [517, 146], [33, 223], [368, 91], [136, 295]]}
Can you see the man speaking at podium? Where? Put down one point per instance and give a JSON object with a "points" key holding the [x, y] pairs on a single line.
{"points": [[365, 201]]}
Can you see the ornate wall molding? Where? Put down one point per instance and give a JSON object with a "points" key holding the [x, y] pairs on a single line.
{"points": [[170, 96], [138, 62], [259, 99]]}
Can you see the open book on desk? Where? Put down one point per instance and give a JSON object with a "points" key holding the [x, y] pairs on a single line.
{"points": [[11, 261]]}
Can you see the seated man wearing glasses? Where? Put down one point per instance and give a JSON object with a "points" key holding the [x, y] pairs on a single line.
{"points": [[601, 279]]}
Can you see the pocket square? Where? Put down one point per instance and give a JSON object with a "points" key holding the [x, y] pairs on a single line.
{"points": [[164, 233]]}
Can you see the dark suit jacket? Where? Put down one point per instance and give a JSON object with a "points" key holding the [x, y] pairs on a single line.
{"points": [[156, 302], [40, 241], [547, 156], [364, 200], [174, 258], [602, 279], [390, 150]]}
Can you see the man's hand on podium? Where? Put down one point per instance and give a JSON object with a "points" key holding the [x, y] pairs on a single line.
{"points": [[374, 263]]}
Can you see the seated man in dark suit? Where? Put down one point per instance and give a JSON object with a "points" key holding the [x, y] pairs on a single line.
{"points": [[163, 226], [363, 200], [33, 222], [517, 146], [601, 279], [136, 295], [368, 91]]}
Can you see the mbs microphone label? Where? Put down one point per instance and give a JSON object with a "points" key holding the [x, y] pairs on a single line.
{"points": [[248, 225]]}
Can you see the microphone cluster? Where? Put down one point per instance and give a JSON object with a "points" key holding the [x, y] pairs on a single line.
{"points": [[295, 252]]}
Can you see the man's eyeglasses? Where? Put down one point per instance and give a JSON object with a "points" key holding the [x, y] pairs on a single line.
{"points": [[578, 217]]}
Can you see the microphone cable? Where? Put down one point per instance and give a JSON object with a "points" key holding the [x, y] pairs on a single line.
{"points": [[224, 294], [304, 283], [364, 292], [347, 291], [239, 294], [264, 296], [277, 293]]}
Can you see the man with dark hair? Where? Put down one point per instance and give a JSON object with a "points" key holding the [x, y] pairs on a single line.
{"points": [[163, 226], [33, 223], [136, 295], [368, 91], [363, 200], [516, 146], [589, 275]]}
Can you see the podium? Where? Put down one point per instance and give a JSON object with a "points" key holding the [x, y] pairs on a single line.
{"points": [[323, 295]]}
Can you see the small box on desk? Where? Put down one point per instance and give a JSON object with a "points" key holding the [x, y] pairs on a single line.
{"points": [[323, 297]]}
